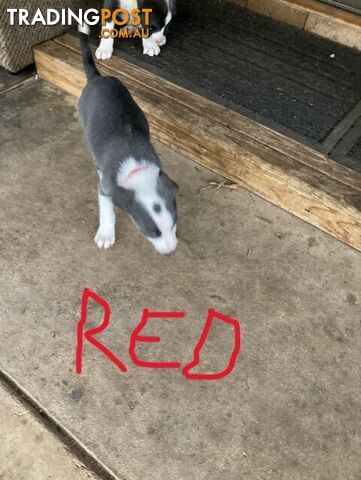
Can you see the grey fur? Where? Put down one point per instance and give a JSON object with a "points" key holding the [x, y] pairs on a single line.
{"points": [[115, 128]]}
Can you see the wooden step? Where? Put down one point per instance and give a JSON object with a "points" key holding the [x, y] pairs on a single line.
{"points": [[290, 175], [314, 16]]}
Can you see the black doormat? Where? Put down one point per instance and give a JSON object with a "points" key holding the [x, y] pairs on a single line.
{"points": [[287, 78]]}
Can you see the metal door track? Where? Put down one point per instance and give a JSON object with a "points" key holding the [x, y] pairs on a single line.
{"points": [[351, 5]]}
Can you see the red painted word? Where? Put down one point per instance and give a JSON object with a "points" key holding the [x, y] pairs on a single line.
{"points": [[136, 337]]}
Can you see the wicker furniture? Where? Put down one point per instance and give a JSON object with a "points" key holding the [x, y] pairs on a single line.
{"points": [[17, 42]]}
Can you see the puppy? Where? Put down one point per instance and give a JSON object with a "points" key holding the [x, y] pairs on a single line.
{"points": [[131, 177], [161, 15]]}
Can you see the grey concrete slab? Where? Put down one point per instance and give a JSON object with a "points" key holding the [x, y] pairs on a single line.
{"points": [[29, 451], [9, 80], [291, 409]]}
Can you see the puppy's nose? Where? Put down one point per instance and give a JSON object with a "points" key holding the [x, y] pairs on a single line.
{"points": [[168, 251], [169, 254], [169, 248]]}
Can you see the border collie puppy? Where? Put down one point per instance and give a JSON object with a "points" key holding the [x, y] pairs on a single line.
{"points": [[131, 177], [161, 15]]}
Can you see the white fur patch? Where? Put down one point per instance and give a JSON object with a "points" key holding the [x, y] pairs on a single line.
{"points": [[167, 243], [159, 37], [105, 49], [150, 47], [168, 18], [84, 29], [105, 237], [135, 182], [128, 5]]}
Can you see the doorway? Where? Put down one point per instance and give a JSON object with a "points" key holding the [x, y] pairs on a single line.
{"points": [[351, 5]]}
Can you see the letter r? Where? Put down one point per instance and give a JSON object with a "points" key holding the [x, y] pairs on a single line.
{"points": [[89, 334]]}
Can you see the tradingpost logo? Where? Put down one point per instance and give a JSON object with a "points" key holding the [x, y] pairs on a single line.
{"points": [[130, 23], [133, 23]]}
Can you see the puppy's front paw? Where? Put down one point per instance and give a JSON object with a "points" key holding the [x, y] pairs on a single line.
{"points": [[150, 47], [105, 238], [105, 50], [151, 51]]}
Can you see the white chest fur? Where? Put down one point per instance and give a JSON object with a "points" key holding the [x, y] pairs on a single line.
{"points": [[128, 5]]}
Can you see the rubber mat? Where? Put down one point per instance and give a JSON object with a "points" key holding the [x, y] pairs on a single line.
{"points": [[284, 77]]}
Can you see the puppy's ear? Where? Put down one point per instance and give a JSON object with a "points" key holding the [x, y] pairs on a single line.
{"points": [[166, 186], [123, 198]]}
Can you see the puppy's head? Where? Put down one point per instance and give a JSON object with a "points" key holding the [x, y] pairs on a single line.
{"points": [[148, 195]]}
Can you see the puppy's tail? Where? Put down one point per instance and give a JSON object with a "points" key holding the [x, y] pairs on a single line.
{"points": [[90, 68]]}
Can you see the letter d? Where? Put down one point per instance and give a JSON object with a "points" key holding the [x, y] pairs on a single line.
{"points": [[52, 16]]}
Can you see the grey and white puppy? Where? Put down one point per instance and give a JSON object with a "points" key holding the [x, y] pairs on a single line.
{"points": [[131, 177], [161, 14]]}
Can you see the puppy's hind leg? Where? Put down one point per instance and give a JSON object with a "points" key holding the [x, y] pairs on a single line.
{"points": [[105, 237]]}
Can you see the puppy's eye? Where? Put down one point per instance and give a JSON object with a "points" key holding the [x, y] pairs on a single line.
{"points": [[157, 233], [157, 208]]}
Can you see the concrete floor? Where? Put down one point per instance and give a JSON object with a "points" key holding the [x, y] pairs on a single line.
{"points": [[291, 409], [29, 451]]}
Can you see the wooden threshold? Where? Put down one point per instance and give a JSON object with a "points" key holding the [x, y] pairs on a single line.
{"points": [[279, 169], [315, 6], [320, 18]]}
